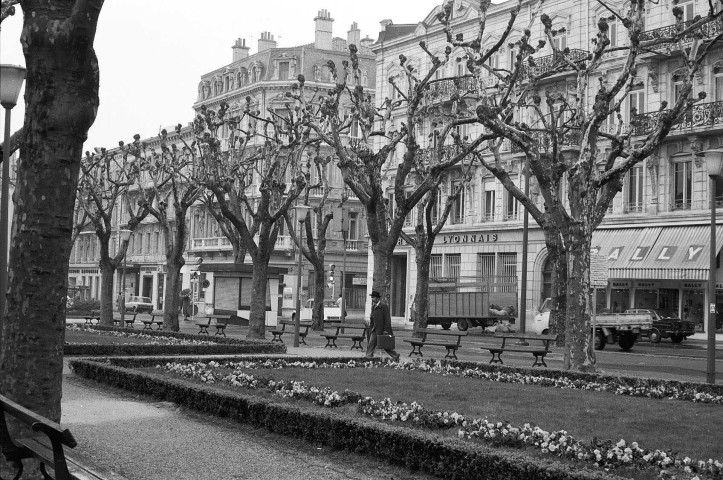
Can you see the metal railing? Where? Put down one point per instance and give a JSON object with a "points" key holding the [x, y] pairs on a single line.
{"points": [[708, 29], [448, 88], [571, 138], [553, 62], [701, 115]]}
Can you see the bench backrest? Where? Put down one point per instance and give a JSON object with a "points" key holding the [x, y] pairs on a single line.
{"points": [[527, 336], [439, 331], [285, 321], [37, 422]]}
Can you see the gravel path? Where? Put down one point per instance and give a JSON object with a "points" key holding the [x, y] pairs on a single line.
{"points": [[144, 439]]}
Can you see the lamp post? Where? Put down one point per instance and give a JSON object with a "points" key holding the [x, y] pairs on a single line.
{"points": [[713, 162], [11, 80], [525, 244], [124, 236], [301, 211]]}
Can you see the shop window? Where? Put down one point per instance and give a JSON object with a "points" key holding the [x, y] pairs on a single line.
{"points": [[682, 184], [619, 300], [694, 308]]}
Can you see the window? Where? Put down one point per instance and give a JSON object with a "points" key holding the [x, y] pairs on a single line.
{"points": [[508, 265], [148, 242], [682, 184], [489, 205], [560, 40], [458, 206], [678, 84], [390, 205], [435, 266], [437, 209], [157, 245], [635, 190], [485, 265], [354, 128], [453, 261], [353, 226], [636, 101], [494, 61], [718, 84], [461, 68], [283, 70], [511, 206], [688, 9], [614, 30], [512, 58]]}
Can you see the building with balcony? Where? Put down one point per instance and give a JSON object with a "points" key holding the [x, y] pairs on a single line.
{"points": [[656, 234], [265, 76]]}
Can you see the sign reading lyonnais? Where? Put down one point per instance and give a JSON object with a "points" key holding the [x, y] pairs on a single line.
{"points": [[470, 238]]}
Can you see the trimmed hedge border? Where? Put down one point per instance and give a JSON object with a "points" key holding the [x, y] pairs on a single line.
{"points": [[412, 448], [85, 349], [166, 333]]}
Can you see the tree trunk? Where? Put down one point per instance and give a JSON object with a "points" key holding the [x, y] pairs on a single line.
{"points": [[106, 293], [172, 300], [317, 312], [257, 315], [61, 99], [578, 354], [558, 294], [420, 307]]}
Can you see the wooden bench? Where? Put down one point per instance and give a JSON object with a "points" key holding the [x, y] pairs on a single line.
{"points": [[436, 337], [46, 446], [93, 315], [221, 323], [341, 329], [148, 324], [129, 318], [539, 351], [278, 332]]}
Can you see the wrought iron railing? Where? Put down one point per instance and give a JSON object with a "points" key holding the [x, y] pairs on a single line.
{"points": [[708, 29], [681, 205], [427, 155], [552, 62], [701, 115], [634, 207], [445, 89], [570, 138]]}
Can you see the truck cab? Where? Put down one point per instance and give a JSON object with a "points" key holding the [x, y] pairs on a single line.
{"points": [[332, 312], [541, 322]]}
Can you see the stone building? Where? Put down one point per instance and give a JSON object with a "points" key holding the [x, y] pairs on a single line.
{"points": [[656, 235]]}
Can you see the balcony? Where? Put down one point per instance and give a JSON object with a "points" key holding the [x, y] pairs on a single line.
{"points": [[571, 138], [702, 115], [211, 244], [709, 30], [554, 62], [445, 89], [429, 155]]}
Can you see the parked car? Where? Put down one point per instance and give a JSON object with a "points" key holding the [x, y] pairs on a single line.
{"points": [[332, 312], [139, 304], [666, 324]]}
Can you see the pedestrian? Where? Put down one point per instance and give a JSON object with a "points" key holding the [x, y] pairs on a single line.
{"points": [[186, 303], [381, 323]]}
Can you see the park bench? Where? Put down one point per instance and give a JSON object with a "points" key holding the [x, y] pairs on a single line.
{"points": [[129, 319], [355, 331], [278, 332], [221, 323], [148, 323], [436, 337], [538, 350], [45, 443], [92, 316]]}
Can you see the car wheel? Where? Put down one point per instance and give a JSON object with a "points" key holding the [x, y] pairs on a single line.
{"points": [[676, 337], [462, 324], [654, 335], [446, 325], [545, 332], [600, 341], [626, 341]]}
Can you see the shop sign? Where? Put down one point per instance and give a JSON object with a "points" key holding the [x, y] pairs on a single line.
{"points": [[470, 238], [288, 293], [359, 280], [598, 270], [620, 284], [719, 286], [694, 285], [649, 285]]}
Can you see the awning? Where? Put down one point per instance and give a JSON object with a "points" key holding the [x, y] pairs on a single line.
{"points": [[659, 253]]}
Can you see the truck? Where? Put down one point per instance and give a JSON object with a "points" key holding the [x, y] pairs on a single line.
{"points": [[472, 302], [621, 328], [332, 312]]}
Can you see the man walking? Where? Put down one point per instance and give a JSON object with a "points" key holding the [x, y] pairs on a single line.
{"points": [[381, 323]]}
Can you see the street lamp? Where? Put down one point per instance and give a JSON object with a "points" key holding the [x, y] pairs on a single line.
{"points": [[124, 235], [713, 162], [11, 80], [301, 211]]}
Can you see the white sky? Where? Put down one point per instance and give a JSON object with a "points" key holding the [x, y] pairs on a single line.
{"points": [[152, 53]]}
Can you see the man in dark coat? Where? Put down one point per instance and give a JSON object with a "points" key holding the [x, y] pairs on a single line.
{"points": [[381, 323]]}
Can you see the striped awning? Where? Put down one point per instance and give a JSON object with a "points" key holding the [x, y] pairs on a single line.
{"points": [[658, 253]]}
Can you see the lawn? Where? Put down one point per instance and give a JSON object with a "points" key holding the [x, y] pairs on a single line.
{"points": [[686, 428]]}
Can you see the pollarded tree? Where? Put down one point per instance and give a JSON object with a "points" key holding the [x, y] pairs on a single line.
{"points": [[167, 183], [255, 181], [363, 165], [104, 182], [61, 101], [208, 200], [563, 134]]}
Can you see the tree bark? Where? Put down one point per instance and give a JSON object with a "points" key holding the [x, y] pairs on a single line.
{"points": [[420, 307], [578, 354], [257, 315], [107, 272], [172, 300], [61, 100]]}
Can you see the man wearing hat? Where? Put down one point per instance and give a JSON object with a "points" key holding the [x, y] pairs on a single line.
{"points": [[381, 323]]}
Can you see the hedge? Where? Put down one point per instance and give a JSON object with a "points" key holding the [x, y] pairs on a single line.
{"points": [[85, 349], [413, 448]]}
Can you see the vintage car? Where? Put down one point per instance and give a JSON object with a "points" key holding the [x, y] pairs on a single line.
{"points": [[666, 324], [139, 304]]}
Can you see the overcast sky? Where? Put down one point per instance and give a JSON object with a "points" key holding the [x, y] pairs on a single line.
{"points": [[152, 53]]}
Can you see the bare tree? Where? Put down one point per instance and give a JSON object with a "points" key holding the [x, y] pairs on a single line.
{"points": [[249, 181], [104, 182], [61, 101], [564, 137]]}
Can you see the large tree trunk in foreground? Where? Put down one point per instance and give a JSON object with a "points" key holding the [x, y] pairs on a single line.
{"points": [[61, 97], [172, 300], [257, 314], [317, 312], [578, 354], [106, 293], [420, 307]]}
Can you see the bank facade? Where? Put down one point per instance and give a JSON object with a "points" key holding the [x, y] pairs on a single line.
{"points": [[656, 235]]}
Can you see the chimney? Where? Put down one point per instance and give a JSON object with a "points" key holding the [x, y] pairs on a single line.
{"points": [[240, 50], [266, 41], [366, 41], [353, 36], [323, 22]]}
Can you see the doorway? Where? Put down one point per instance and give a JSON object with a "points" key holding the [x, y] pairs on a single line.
{"points": [[399, 285]]}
